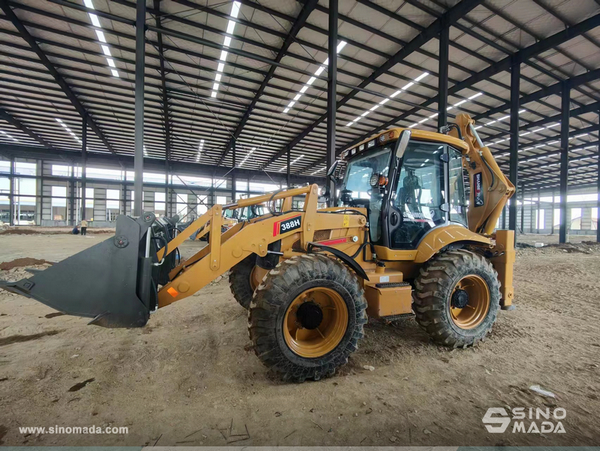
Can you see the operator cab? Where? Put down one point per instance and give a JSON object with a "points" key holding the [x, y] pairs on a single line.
{"points": [[409, 181], [246, 213]]}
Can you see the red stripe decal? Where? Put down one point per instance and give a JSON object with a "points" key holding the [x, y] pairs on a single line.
{"points": [[337, 241]]}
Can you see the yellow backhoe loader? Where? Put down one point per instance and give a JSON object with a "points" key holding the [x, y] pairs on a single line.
{"points": [[404, 239]]}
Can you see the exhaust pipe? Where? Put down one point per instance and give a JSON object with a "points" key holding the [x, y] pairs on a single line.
{"points": [[110, 282]]}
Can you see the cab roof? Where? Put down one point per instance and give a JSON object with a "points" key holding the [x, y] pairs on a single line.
{"points": [[420, 135]]}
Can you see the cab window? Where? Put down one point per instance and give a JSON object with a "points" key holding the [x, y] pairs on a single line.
{"points": [[458, 208], [420, 193]]}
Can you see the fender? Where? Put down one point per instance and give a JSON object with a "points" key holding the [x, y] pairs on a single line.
{"points": [[349, 261], [440, 237]]}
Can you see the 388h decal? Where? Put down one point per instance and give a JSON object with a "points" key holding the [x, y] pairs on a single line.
{"points": [[287, 225]]}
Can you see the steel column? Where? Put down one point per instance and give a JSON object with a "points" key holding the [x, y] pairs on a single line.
{"points": [[553, 206], [531, 212], [71, 212], [124, 196], [40, 192], [522, 208], [443, 76], [537, 222], [83, 164], [288, 167], [564, 160], [140, 57], [11, 193], [598, 190], [331, 94], [515, 79], [165, 103], [233, 177]]}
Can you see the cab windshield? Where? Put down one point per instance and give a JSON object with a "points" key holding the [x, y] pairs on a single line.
{"points": [[357, 185], [361, 169]]}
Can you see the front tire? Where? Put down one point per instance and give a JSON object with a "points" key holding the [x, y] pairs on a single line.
{"points": [[241, 281], [307, 317], [457, 298]]}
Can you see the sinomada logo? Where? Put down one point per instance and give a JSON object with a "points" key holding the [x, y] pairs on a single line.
{"points": [[526, 420]]}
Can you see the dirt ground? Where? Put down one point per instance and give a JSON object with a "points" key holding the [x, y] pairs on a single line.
{"points": [[35, 230], [191, 378]]}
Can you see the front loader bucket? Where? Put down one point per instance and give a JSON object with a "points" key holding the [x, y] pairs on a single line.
{"points": [[110, 282]]}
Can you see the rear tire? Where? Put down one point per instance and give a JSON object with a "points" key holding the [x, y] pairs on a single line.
{"points": [[307, 317], [457, 298], [240, 281]]}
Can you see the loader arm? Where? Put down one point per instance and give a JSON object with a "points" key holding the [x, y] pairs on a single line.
{"points": [[227, 250]]}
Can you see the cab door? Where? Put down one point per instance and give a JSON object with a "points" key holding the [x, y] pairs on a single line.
{"points": [[418, 200]]}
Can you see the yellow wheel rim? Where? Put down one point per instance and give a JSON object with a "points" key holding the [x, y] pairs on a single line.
{"points": [[256, 276], [315, 322], [470, 302]]}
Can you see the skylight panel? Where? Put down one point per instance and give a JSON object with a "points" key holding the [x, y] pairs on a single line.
{"points": [[312, 79], [235, 10], [387, 99]]}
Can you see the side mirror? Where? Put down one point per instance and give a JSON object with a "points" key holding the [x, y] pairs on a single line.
{"points": [[402, 143], [337, 171], [332, 168]]}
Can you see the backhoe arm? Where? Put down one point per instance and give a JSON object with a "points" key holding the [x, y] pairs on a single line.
{"points": [[490, 188]]}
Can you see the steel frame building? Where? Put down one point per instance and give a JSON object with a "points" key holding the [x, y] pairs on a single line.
{"points": [[272, 91]]}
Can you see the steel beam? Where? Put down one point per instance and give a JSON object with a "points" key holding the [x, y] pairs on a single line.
{"points": [[307, 9], [522, 55], [528, 52], [19, 125], [443, 77], [515, 78], [55, 74], [332, 95], [140, 59], [469, 29], [554, 69], [556, 88], [547, 120], [126, 162], [553, 89], [452, 15], [564, 160]]}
